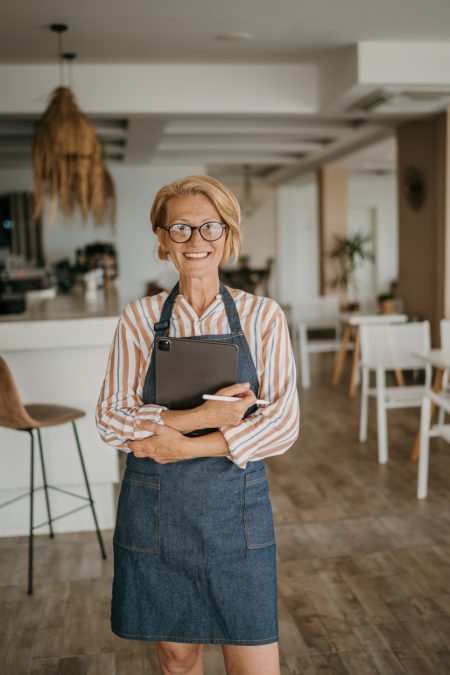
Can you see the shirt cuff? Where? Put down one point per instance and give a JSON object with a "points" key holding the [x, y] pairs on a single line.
{"points": [[233, 444], [149, 412]]}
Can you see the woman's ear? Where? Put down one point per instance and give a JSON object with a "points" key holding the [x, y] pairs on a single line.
{"points": [[161, 234]]}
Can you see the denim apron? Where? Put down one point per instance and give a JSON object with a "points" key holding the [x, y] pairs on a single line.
{"points": [[194, 543]]}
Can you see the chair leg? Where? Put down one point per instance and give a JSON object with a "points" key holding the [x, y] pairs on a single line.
{"points": [[31, 531], [381, 418], [425, 423], [88, 488], [441, 415], [44, 477], [364, 406], [304, 356]]}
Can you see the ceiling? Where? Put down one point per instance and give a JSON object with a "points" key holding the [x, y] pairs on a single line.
{"points": [[170, 30], [274, 148]]}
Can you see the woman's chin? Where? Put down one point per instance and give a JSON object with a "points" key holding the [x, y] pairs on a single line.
{"points": [[202, 266]]}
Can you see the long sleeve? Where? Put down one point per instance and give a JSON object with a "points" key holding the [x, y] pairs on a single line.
{"points": [[120, 403], [273, 428]]}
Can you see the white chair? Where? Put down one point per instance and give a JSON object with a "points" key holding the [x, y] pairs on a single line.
{"points": [[356, 320], [320, 312], [427, 431], [445, 345], [384, 348]]}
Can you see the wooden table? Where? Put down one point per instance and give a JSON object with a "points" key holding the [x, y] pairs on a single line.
{"points": [[440, 360], [352, 321]]}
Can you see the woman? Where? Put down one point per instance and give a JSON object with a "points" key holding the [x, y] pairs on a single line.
{"points": [[194, 541]]}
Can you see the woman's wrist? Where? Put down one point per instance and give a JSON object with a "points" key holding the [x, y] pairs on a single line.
{"points": [[185, 420]]}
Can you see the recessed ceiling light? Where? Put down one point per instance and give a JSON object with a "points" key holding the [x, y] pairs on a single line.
{"points": [[233, 37]]}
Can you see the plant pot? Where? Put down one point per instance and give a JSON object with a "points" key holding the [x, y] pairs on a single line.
{"points": [[350, 307], [387, 306]]}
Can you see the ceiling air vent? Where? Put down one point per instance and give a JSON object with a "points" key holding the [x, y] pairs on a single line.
{"points": [[370, 102], [393, 100]]}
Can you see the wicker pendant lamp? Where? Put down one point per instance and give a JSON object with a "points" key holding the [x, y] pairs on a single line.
{"points": [[67, 157]]}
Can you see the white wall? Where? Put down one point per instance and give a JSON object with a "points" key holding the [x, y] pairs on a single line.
{"points": [[259, 229], [370, 198], [378, 193], [136, 243], [297, 242]]}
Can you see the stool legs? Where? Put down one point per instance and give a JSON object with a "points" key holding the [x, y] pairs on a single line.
{"points": [[30, 536], [88, 488], [44, 477]]}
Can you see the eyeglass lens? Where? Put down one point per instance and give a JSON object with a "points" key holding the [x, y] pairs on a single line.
{"points": [[180, 232]]}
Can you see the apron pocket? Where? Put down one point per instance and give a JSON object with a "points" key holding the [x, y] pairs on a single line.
{"points": [[137, 523], [258, 520]]}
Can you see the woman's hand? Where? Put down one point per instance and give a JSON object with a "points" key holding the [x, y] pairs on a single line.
{"points": [[165, 446], [227, 413]]}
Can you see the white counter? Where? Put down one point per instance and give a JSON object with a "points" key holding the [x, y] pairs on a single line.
{"points": [[58, 361]]}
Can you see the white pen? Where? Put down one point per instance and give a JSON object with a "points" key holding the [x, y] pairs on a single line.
{"points": [[214, 397]]}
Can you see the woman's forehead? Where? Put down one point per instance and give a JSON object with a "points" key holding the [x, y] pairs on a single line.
{"points": [[191, 206]]}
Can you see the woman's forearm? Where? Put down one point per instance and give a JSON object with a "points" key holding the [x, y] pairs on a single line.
{"points": [[185, 420], [210, 445]]}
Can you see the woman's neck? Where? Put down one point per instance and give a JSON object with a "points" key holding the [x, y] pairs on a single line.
{"points": [[199, 292]]}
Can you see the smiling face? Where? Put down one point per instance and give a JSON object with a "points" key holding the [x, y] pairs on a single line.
{"points": [[196, 257]]}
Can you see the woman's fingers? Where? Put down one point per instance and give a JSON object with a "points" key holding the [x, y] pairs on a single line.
{"points": [[137, 446], [148, 425], [234, 389]]}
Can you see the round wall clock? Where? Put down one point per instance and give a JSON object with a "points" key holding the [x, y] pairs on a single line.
{"points": [[413, 187]]}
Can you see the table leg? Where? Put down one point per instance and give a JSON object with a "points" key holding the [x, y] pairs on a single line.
{"points": [[355, 360], [399, 378], [339, 367], [437, 386]]}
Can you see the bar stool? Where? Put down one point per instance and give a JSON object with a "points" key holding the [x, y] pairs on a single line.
{"points": [[31, 418]]}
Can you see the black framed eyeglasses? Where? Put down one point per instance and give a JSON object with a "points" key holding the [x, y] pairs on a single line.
{"points": [[180, 233]]}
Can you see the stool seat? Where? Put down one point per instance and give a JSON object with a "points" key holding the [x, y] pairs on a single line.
{"points": [[49, 414]]}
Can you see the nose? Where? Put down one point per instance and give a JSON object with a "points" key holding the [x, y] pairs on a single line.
{"points": [[196, 233]]}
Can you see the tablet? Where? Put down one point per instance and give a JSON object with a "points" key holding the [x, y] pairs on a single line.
{"points": [[186, 369]]}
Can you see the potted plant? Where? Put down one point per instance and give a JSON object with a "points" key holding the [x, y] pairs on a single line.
{"points": [[386, 303], [349, 253]]}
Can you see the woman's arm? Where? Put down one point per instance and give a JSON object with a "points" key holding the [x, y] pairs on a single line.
{"points": [[274, 428], [166, 445], [120, 403]]}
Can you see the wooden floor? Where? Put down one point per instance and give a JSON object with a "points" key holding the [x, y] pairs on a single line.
{"points": [[364, 568]]}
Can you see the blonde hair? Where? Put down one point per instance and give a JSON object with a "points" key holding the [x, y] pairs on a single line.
{"points": [[223, 199]]}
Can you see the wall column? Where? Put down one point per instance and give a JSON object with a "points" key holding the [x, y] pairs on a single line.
{"points": [[333, 214], [424, 223]]}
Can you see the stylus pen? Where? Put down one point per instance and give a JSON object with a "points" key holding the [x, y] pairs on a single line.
{"points": [[214, 397]]}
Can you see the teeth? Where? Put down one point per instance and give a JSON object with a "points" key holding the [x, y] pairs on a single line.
{"points": [[196, 255]]}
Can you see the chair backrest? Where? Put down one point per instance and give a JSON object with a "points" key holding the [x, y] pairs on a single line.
{"points": [[12, 412], [392, 346], [320, 310], [445, 335]]}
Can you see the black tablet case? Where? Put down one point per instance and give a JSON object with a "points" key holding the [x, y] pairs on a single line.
{"points": [[186, 369]]}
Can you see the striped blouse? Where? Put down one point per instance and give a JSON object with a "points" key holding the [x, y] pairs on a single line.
{"points": [[271, 430]]}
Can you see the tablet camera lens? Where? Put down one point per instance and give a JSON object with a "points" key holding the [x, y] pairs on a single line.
{"points": [[164, 345]]}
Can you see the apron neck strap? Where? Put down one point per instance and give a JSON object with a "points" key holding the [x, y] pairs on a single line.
{"points": [[161, 327]]}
